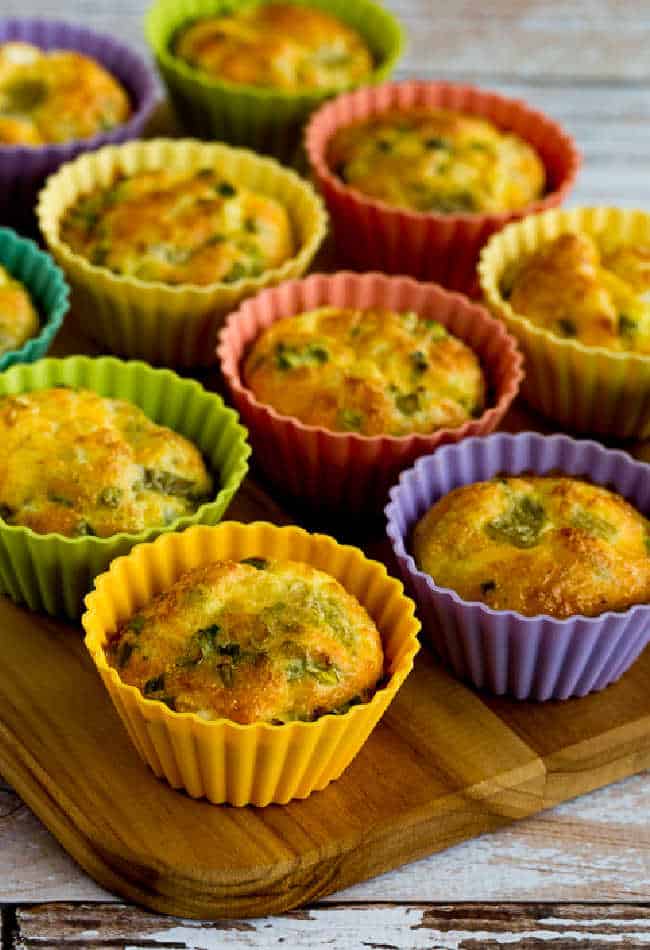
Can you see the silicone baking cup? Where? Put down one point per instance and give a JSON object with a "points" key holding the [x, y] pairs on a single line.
{"points": [[346, 470], [161, 323], [585, 388], [372, 235], [223, 760], [23, 169], [268, 120], [501, 650], [51, 572], [49, 292]]}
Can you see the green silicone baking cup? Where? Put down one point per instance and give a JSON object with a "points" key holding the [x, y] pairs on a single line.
{"points": [[46, 285], [262, 118], [53, 573]]}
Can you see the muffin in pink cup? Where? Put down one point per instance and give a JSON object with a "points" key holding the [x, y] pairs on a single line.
{"points": [[579, 579], [428, 138], [336, 466]]}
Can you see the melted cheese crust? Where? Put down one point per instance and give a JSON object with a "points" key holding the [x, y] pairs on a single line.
{"points": [[537, 545], [368, 371], [576, 290], [439, 161], [278, 45], [18, 315], [256, 641], [179, 228], [76, 463], [56, 96]]}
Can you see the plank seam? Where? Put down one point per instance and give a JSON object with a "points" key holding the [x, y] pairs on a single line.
{"points": [[557, 80], [8, 926], [11, 908]]}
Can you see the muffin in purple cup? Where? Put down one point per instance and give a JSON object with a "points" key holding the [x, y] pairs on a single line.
{"points": [[530, 653], [24, 167]]}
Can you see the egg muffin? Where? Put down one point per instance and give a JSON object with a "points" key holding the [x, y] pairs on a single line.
{"points": [[368, 371], [18, 315], [251, 641], [537, 545], [437, 160], [577, 290], [57, 96], [180, 228], [277, 45], [77, 463]]}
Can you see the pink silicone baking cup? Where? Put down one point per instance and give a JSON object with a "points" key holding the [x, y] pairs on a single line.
{"points": [[372, 235], [344, 470]]}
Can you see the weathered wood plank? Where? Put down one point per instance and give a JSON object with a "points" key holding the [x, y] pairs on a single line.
{"points": [[581, 39], [594, 848], [411, 927]]}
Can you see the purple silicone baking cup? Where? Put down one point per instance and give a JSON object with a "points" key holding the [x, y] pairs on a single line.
{"points": [[500, 650], [23, 169]]}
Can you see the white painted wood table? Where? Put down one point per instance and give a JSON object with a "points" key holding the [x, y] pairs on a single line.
{"points": [[577, 876]]}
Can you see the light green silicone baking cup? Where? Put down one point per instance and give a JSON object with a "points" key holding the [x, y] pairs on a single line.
{"points": [[53, 573], [265, 119], [46, 286]]}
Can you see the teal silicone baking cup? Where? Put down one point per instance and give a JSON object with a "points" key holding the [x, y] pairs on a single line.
{"points": [[53, 573], [46, 285], [262, 118]]}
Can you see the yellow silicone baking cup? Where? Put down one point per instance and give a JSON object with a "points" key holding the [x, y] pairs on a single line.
{"points": [[221, 760], [150, 320], [585, 388]]}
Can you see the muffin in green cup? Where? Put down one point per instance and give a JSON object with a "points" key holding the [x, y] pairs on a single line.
{"points": [[267, 118], [52, 571], [43, 283]]}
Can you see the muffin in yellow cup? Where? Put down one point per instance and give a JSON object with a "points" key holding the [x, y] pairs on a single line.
{"points": [[587, 388], [166, 322], [257, 762]]}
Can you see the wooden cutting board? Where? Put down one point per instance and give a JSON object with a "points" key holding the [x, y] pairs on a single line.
{"points": [[445, 764]]}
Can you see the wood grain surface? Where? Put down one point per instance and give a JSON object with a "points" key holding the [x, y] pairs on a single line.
{"points": [[586, 63], [381, 926]]}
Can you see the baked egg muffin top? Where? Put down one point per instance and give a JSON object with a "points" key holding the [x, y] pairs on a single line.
{"points": [[436, 160], [77, 463], [368, 371], [278, 45], [18, 315], [179, 228], [537, 545], [577, 291], [251, 641], [57, 96]]}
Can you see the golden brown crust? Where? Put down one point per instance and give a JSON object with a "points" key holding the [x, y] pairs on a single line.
{"points": [[577, 291], [368, 371], [180, 228], [437, 160], [18, 315], [76, 463], [256, 641], [277, 45], [537, 545], [57, 96]]}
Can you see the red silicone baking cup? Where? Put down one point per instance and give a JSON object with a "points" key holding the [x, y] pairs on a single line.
{"points": [[372, 235], [344, 470]]}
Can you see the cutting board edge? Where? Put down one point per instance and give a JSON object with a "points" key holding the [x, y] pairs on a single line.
{"points": [[453, 821]]}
